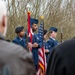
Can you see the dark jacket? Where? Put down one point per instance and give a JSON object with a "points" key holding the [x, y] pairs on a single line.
{"points": [[46, 48], [14, 60], [62, 59]]}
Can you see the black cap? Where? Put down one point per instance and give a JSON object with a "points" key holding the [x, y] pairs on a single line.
{"points": [[45, 31], [19, 29]]}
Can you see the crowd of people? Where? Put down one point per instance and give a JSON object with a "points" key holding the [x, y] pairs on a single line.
{"points": [[15, 56], [36, 43]]}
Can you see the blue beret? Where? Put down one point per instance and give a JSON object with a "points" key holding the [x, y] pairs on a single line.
{"points": [[53, 29], [33, 21], [19, 29]]}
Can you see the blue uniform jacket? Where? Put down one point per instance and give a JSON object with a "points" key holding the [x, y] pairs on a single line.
{"points": [[51, 43], [35, 50], [46, 47], [19, 41]]}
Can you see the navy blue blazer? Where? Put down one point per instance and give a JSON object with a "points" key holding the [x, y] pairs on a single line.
{"points": [[51, 44], [19, 41]]}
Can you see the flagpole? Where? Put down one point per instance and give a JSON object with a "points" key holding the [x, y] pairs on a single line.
{"points": [[28, 28], [61, 34], [42, 19]]}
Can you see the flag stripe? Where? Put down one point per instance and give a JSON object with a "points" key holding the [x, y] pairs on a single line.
{"points": [[40, 59], [41, 51]]}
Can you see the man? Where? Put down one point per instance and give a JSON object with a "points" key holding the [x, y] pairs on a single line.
{"points": [[14, 60], [35, 42], [62, 59], [52, 42], [45, 44], [20, 40]]}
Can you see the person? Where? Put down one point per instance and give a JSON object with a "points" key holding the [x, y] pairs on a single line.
{"points": [[36, 43], [20, 39], [45, 44], [14, 59], [62, 59], [52, 42]]}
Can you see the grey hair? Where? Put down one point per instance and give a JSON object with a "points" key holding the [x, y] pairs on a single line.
{"points": [[3, 10]]}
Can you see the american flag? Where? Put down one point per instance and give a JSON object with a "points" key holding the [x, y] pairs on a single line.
{"points": [[29, 29], [41, 51]]}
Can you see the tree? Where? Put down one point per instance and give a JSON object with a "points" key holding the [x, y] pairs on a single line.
{"points": [[56, 13]]}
